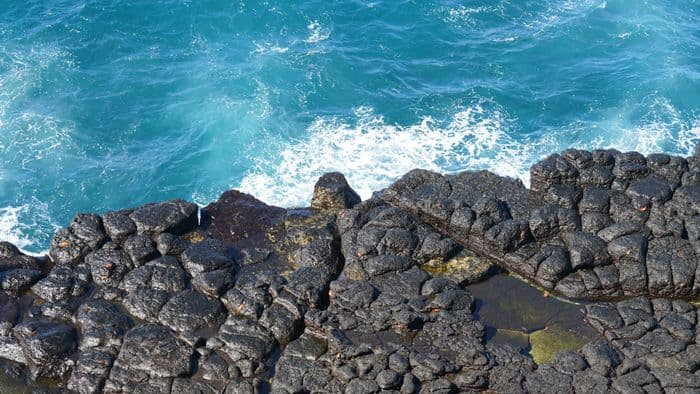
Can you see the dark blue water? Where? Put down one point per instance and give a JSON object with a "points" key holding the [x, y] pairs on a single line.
{"points": [[107, 104]]}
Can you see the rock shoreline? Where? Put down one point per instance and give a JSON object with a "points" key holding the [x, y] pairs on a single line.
{"points": [[369, 296]]}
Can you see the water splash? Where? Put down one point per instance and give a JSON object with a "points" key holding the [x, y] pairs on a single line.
{"points": [[27, 226], [373, 153], [317, 32]]}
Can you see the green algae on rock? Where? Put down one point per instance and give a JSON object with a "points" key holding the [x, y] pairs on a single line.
{"points": [[512, 337], [546, 343], [465, 268]]}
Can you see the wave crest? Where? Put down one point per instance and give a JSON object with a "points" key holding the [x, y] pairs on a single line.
{"points": [[373, 153]]}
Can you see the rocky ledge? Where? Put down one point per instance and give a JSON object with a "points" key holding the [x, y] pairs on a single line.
{"points": [[368, 296]]}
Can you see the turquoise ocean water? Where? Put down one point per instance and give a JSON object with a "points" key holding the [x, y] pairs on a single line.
{"points": [[110, 104]]}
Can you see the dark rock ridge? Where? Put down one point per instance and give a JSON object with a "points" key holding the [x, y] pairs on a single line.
{"points": [[367, 296], [595, 225]]}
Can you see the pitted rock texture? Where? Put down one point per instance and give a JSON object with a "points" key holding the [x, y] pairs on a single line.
{"points": [[237, 216], [332, 192], [372, 296], [595, 225], [656, 341], [145, 300], [18, 272], [175, 217]]}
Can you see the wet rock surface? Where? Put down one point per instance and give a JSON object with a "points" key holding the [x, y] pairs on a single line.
{"points": [[398, 293]]}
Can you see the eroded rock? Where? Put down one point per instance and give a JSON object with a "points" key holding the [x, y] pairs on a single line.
{"points": [[174, 216], [47, 346], [332, 193]]}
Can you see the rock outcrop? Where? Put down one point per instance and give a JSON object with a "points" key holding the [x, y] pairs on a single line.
{"points": [[595, 225], [370, 296]]}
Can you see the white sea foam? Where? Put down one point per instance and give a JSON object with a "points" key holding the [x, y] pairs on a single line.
{"points": [[505, 39], [661, 128], [538, 20], [317, 32], [27, 226], [372, 153], [269, 48], [468, 16], [557, 13], [31, 135], [10, 226]]}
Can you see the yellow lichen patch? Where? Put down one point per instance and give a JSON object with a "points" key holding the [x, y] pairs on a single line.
{"points": [[291, 260], [308, 219], [546, 343], [194, 237], [435, 266], [465, 266], [302, 239], [317, 220], [272, 236], [301, 230], [288, 271], [695, 303], [354, 272]]}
